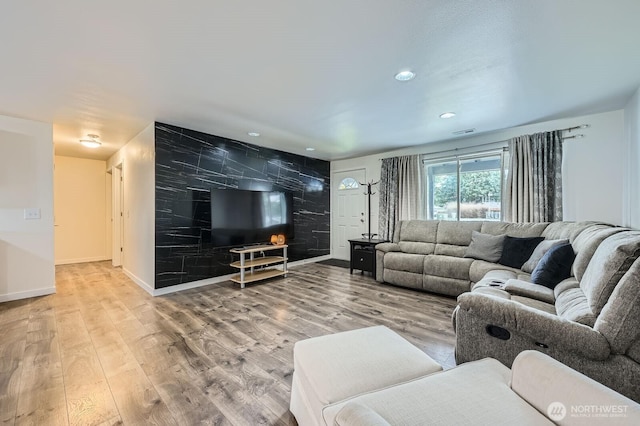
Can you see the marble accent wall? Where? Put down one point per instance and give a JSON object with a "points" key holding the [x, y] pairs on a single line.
{"points": [[189, 164]]}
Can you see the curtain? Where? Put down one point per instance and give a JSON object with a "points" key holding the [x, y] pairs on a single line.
{"points": [[534, 178], [401, 186], [519, 186]]}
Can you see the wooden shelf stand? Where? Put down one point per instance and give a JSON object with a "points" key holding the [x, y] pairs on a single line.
{"points": [[247, 267]]}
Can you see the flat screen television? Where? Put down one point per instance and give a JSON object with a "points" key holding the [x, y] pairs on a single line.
{"points": [[241, 217]]}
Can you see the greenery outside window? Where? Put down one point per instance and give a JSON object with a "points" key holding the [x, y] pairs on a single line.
{"points": [[465, 187]]}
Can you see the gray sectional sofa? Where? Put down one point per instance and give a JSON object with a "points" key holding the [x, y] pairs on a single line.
{"points": [[589, 321]]}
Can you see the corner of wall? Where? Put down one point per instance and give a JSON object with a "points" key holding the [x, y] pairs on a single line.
{"points": [[26, 246], [631, 181]]}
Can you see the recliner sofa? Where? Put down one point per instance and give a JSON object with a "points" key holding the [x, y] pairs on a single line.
{"points": [[589, 321]]}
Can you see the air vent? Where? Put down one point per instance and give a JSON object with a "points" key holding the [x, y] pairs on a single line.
{"points": [[464, 132]]}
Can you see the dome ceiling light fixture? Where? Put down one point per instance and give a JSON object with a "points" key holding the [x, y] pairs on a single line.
{"points": [[91, 142], [447, 115], [253, 134], [405, 75]]}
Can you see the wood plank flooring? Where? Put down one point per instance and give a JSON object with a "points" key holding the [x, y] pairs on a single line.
{"points": [[101, 351]]}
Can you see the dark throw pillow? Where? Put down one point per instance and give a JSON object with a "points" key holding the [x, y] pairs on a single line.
{"points": [[485, 247], [516, 251], [554, 266]]}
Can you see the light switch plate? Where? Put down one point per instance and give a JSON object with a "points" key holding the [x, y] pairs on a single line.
{"points": [[31, 214]]}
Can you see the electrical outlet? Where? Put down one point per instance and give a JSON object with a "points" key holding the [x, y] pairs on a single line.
{"points": [[31, 214]]}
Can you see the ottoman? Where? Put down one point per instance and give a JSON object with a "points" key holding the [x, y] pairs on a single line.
{"points": [[332, 369]]}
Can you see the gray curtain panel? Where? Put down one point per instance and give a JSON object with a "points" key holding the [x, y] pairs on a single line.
{"points": [[533, 189], [519, 185], [388, 208], [547, 176], [401, 196]]}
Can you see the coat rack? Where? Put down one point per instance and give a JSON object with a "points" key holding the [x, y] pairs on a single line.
{"points": [[369, 235]]}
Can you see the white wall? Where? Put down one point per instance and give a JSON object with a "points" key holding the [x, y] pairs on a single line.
{"points": [[80, 210], [26, 181], [138, 169], [632, 165], [592, 173]]}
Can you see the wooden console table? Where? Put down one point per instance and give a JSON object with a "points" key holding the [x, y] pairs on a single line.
{"points": [[247, 267]]}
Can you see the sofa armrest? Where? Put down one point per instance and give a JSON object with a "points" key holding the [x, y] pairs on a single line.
{"points": [[531, 290], [541, 327], [541, 380], [387, 247], [355, 414]]}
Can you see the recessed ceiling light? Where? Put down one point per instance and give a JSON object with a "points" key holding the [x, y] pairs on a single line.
{"points": [[405, 75], [447, 114], [91, 143], [254, 134], [311, 149]]}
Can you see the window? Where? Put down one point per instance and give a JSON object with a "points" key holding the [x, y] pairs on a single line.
{"points": [[349, 183], [465, 188]]}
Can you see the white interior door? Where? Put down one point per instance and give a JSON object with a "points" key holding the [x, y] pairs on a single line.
{"points": [[349, 210]]}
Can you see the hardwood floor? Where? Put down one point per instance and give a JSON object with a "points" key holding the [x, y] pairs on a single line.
{"points": [[101, 351]]}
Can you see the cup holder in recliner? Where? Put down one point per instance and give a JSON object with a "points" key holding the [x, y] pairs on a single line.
{"points": [[498, 332]]}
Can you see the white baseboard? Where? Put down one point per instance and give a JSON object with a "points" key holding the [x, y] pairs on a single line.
{"points": [[145, 286], [81, 260], [215, 280], [27, 294], [190, 285]]}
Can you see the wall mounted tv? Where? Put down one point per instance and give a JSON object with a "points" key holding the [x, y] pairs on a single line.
{"points": [[240, 217]]}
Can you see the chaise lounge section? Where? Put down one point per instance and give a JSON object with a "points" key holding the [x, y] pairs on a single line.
{"points": [[374, 377]]}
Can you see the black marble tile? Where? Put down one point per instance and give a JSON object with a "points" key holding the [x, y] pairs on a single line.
{"points": [[189, 164]]}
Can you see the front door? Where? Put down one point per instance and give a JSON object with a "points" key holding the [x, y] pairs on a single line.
{"points": [[349, 210]]}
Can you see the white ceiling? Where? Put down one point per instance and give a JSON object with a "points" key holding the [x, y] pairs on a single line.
{"points": [[312, 73]]}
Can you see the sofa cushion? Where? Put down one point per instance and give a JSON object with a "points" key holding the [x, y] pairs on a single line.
{"points": [[481, 268], [423, 231], [539, 252], [619, 320], [476, 385], [565, 230], [586, 244], [542, 381], [531, 290], [613, 257], [554, 266], [447, 266], [572, 305], [406, 262], [456, 233], [516, 251], [450, 250], [536, 304], [565, 285], [485, 247], [514, 229], [416, 247]]}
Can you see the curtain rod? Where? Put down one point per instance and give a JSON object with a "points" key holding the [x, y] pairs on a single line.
{"points": [[568, 129]]}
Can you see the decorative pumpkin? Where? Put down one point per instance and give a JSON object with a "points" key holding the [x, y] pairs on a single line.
{"points": [[280, 239], [274, 239]]}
